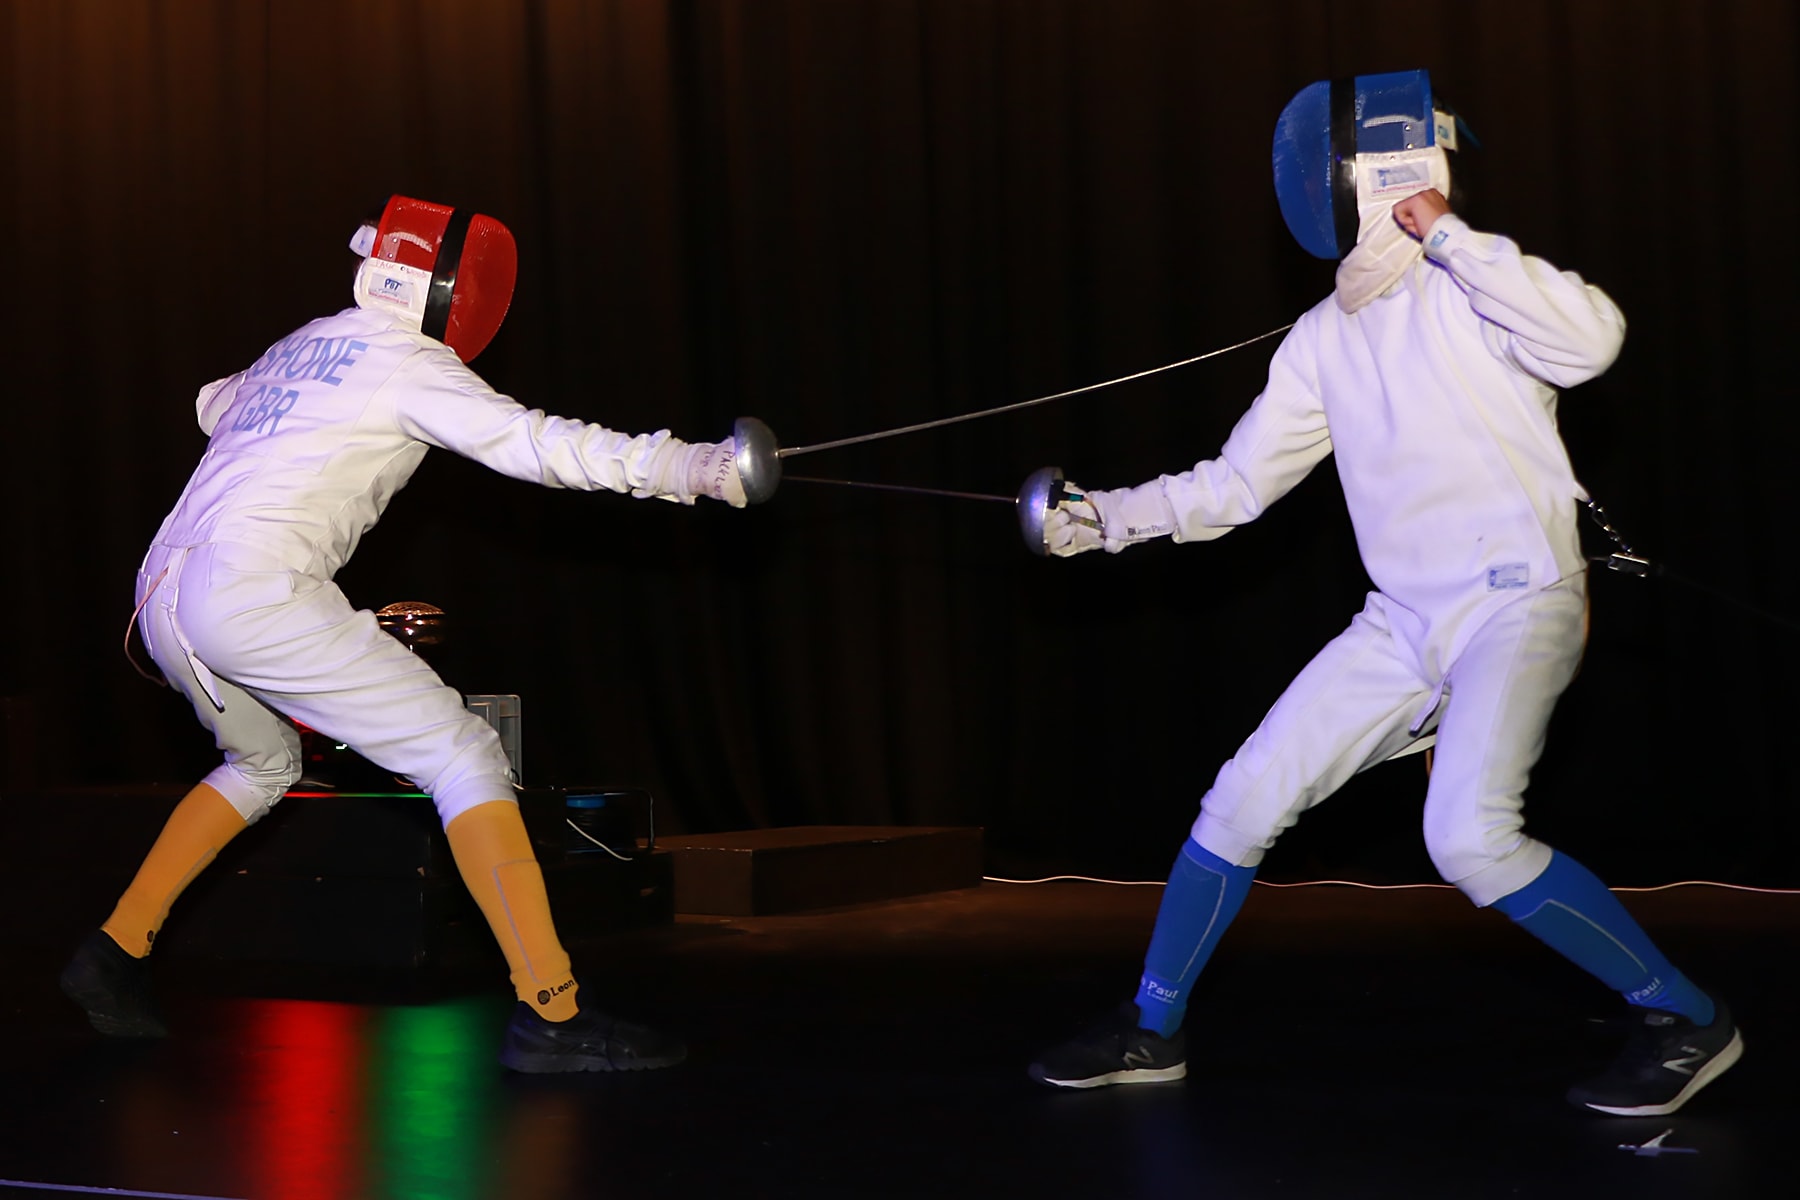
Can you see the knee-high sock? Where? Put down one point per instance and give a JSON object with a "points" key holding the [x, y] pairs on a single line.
{"points": [[493, 854], [192, 836], [1203, 895], [1572, 912]]}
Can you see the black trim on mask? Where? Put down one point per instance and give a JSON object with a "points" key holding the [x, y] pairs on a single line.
{"points": [[1343, 163], [442, 289]]}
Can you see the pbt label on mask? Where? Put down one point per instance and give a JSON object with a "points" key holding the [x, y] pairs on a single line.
{"points": [[393, 283], [393, 289], [1391, 178], [1509, 577]]}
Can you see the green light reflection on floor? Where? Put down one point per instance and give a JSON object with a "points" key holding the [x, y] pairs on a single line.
{"points": [[433, 1066]]}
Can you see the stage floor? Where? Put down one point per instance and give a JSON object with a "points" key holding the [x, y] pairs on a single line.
{"points": [[1344, 1043]]}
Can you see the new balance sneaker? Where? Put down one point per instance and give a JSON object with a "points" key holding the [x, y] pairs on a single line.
{"points": [[1667, 1058], [1113, 1050], [113, 988], [587, 1041]]}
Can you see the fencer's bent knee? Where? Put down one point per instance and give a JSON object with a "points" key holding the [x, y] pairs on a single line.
{"points": [[1218, 836], [1486, 865], [254, 789], [469, 791], [473, 770]]}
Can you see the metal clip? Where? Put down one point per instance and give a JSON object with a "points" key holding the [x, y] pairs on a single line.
{"points": [[1628, 564]]}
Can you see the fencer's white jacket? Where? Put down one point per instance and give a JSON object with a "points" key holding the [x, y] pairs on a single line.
{"points": [[310, 443], [1438, 402]]}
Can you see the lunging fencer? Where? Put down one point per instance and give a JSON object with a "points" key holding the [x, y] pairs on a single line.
{"points": [[1431, 375], [237, 606]]}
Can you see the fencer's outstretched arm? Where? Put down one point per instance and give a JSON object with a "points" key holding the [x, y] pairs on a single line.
{"points": [[442, 403], [1551, 324], [1276, 442]]}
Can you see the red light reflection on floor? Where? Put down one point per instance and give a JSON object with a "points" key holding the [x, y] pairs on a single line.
{"points": [[309, 1083]]}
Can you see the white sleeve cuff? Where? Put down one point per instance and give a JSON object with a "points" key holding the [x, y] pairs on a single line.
{"points": [[1443, 236]]}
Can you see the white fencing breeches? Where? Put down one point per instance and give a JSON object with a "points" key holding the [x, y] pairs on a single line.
{"points": [[1359, 702], [255, 647]]}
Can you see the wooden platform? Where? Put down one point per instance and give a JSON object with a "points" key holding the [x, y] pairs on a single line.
{"points": [[763, 871]]}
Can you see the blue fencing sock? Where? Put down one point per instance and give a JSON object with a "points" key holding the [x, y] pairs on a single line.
{"points": [[1571, 911], [1203, 895]]}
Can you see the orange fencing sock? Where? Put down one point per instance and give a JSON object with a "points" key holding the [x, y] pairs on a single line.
{"points": [[191, 838], [493, 853]]}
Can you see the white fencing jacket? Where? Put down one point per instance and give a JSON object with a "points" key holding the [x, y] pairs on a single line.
{"points": [[1438, 401], [311, 442]]}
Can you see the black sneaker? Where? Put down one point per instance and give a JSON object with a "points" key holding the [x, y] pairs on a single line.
{"points": [[588, 1041], [1666, 1059], [113, 988], [1114, 1050]]}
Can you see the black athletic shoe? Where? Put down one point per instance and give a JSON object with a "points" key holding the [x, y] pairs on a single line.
{"points": [[1114, 1050], [1666, 1059], [113, 988], [588, 1041]]}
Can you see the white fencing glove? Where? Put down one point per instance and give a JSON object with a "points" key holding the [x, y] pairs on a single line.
{"points": [[1113, 520], [685, 471], [1072, 526], [712, 472]]}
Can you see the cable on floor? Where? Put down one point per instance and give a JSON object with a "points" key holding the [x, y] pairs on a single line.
{"points": [[1392, 887]]}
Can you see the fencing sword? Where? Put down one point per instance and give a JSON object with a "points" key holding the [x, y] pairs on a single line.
{"points": [[759, 458], [760, 455], [1042, 491]]}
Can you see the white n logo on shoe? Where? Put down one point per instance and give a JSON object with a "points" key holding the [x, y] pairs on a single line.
{"points": [[1685, 1066], [1137, 1058]]}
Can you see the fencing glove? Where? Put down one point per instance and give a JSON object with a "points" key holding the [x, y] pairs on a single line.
{"points": [[1084, 520]]}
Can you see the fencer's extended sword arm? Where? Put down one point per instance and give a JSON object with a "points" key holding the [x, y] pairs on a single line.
{"points": [[442, 403], [1274, 445]]}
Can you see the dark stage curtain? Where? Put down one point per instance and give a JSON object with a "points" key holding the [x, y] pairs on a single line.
{"points": [[844, 216]]}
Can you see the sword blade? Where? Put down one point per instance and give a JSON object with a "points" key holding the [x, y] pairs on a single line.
{"points": [[896, 487]]}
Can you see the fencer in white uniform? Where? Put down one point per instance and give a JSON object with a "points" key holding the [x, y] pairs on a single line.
{"points": [[1430, 377], [1437, 407], [238, 607], [307, 447]]}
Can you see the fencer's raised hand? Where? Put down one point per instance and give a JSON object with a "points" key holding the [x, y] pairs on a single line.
{"points": [[1419, 211], [1073, 526], [712, 472]]}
